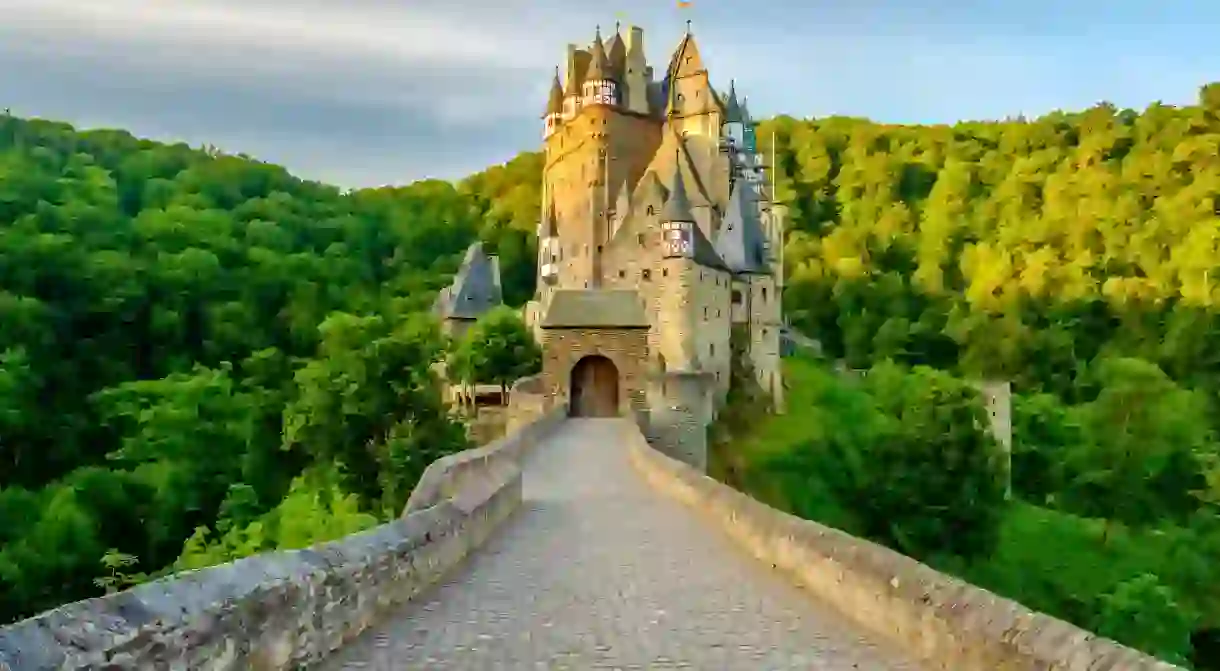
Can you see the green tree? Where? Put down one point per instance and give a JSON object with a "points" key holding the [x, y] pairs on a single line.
{"points": [[1145, 614], [496, 349], [1145, 447]]}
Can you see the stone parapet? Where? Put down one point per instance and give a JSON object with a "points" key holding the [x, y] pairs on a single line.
{"points": [[286, 610], [948, 623]]}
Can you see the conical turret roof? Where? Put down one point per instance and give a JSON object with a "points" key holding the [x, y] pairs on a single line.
{"points": [[599, 68], [616, 52], [732, 109], [554, 104], [677, 206]]}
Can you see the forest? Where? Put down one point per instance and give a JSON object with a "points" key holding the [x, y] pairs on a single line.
{"points": [[202, 356], [1075, 255]]}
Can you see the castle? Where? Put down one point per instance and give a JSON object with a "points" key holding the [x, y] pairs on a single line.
{"points": [[658, 240]]}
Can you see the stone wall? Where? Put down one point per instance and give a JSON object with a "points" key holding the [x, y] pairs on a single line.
{"points": [[680, 414], [285, 610], [627, 348], [950, 624], [527, 402]]}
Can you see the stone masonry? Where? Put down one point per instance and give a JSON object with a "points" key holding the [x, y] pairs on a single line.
{"points": [[285, 610], [942, 621], [599, 571]]}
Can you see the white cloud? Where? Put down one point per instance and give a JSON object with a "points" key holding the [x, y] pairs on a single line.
{"points": [[405, 88]]}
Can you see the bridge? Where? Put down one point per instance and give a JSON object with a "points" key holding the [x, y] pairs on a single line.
{"points": [[568, 544]]}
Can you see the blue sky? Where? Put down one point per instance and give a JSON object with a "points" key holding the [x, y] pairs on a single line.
{"points": [[370, 92]]}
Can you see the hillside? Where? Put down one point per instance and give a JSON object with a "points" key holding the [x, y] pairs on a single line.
{"points": [[197, 349], [1073, 254], [179, 335]]}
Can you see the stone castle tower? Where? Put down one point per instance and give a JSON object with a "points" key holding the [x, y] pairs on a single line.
{"points": [[657, 240]]}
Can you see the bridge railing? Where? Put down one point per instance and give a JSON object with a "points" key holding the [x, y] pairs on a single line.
{"points": [[945, 621], [286, 610]]}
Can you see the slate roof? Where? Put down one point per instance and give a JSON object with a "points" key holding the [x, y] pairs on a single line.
{"points": [[616, 51], [475, 288], [740, 240], [732, 109], [554, 104], [599, 67], [677, 209], [595, 308], [677, 205]]}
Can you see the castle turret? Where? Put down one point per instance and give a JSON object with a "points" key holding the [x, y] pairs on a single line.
{"points": [[637, 74], [691, 106], [554, 107], [571, 85], [676, 214], [599, 88], [616, 52], [734, 128]]}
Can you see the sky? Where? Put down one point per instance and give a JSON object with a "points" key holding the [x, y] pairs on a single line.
{"points": [[373, 92]]}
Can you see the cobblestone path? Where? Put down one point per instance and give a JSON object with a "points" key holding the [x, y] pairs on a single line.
{"points": [[598, 571]]}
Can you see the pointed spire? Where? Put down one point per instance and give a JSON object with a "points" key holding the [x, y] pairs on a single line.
{"points": [[554, 104], [745, 111], [599, 68], [616, 54], [677, 206], [686, 60], [732, 109]]}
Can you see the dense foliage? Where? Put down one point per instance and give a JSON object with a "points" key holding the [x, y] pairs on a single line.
{"points": [[198, 347], [1018, 249], [144, 288], [497, 349], [1072, 254]]}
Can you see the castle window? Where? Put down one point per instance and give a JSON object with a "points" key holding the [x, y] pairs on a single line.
{"points": [[651, 210], [599, 249], [705, 312], [622, 274], [711, 349], [665, 272], [736, 297], [646, 274], [764, 292], [639, 238]]}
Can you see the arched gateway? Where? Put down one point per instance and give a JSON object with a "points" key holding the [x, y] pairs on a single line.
{"points": [[595, 351], [594, 388]]}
